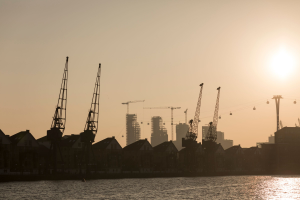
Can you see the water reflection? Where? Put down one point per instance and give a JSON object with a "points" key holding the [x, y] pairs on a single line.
{"points": [[227, 187], [279, 187]]}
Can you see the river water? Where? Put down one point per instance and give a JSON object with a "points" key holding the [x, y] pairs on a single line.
{"points": [[223, 187]]}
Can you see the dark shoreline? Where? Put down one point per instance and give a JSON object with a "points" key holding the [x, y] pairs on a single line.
{"points": [[79, 177]]}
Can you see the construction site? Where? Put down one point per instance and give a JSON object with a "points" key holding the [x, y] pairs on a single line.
{"points": [[56, 153]]}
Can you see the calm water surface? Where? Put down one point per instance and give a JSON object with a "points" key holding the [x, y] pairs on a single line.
{"points": [[227, 187]]}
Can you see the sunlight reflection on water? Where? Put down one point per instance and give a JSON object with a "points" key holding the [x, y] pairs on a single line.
{"points": [[226, 187]]}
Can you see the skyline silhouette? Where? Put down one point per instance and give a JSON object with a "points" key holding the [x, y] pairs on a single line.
{"points": [[159, 52]]}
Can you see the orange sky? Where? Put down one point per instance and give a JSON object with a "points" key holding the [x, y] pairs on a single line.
{"points": [[157, 51]]}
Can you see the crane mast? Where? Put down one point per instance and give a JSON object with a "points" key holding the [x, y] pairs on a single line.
{"points": [[91, 125], [212, 130], [193, 129], [59, 119], [185, 112]]}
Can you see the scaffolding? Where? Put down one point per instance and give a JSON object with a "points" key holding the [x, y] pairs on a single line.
{"points": [[159, 133], [133, 130]]}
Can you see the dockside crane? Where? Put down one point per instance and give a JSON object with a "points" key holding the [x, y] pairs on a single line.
{"points": [[59, 119], [212, 130], [128, 102], [91, 125], [193, 129], [169, 107]]}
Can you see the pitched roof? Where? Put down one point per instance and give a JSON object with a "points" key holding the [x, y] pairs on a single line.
{"points": [[163, 146], [42, 139], [250, 150], [18, 136], [5, 138], [233, 149], [211, 146], [135, 146], [103, 143], [69, 140]]}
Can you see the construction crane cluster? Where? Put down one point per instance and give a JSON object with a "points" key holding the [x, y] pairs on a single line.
{"points": [[54, 135]]}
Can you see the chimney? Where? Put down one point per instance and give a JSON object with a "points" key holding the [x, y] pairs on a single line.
{"points": [[27, 131], [113, 137]]}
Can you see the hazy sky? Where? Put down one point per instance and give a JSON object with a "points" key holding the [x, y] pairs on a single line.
{"points": [[157, 51]]}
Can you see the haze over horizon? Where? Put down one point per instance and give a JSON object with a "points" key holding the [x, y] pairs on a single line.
{"points": [[158, 51]]}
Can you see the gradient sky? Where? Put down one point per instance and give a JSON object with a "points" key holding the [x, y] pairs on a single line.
{"points": [[157, 51]]}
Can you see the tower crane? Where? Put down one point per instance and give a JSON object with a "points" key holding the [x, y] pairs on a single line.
{"points": [[170, 107], [185, 112], [193, 130], [59, 119], [91, 125], [212, 130], [128, 102]]}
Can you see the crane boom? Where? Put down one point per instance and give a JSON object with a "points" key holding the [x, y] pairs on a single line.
{"points": [[128, 102], [93, 116], [59, 118], [193, 130], [212, 130]]}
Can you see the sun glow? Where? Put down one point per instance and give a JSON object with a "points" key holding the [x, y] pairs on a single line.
{"points": [[282, 63]]}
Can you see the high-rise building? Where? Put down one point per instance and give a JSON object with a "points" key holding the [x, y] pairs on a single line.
{"points": [[220, 137], [204, 131], [226, 144], [159, 133], [181, 130], [133, 130]]}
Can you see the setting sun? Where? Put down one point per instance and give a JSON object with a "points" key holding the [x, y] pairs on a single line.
{"points": [[282, 63]]}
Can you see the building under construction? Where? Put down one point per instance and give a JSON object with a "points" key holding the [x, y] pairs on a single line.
{"points": [[159, 133], [133, 130]]}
